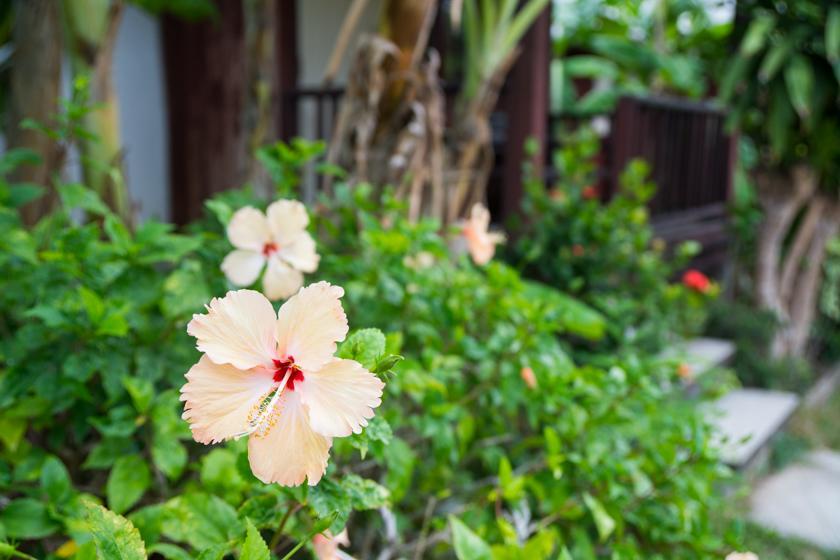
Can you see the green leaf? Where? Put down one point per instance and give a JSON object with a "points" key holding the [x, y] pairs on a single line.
{"points": [[365, 346], [468, 545], [55, 481], [775, 59], [117, 232], [170, 551], [201, 520], [8, 551], [587, 66], [26, 518], [603, 521], [115, 537], [128, 481], [24, 193], [169, 454], [141, 392], [74, 195], [254, 547], [185, 290], [799, 78], [756, 35], [832, 34], [735, 73]]}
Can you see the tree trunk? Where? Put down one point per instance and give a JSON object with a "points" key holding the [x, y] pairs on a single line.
{"points": [[35, 81], [792, 338], [781, 202], [790, 287]]}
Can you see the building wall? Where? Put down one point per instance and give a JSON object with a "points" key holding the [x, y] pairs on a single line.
{"points": [[319, 22], [139, 79]]}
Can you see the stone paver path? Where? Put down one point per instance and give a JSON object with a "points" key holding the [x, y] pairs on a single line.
{"points": [[803, 500], [746, 419]]}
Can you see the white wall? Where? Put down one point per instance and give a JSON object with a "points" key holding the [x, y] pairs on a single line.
{"points": [[319, 22], [139, 79]]}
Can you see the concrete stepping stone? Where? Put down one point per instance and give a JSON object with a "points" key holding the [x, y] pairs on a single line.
{"points": [[746, 420], [701, 354], [802, 500]]}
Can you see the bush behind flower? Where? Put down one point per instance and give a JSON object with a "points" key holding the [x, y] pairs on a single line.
{"points": [[603, 458]]}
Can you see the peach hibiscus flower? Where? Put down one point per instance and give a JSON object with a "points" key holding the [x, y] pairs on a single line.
{"points": [[273, 377], [742, 556], [481, 243], [276, 241], [326, 545]]}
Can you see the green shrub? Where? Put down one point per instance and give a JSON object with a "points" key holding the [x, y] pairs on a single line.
{"points": [[602, 457], [92, 353], [606, 253]]}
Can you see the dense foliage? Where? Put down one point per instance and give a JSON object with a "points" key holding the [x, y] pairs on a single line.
{"points": [[784, 82], [503, 433], [614, 48], [605, 252]]}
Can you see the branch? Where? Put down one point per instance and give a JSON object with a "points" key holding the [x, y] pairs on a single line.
{"points": [[793, 259]]}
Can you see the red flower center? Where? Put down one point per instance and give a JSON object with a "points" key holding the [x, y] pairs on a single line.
{"points": [[269, 248], [282, 367]]}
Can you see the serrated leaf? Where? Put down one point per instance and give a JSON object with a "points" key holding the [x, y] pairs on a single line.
{"points": [[254, 547], [365, 346], [128, 481], [115, 537]]}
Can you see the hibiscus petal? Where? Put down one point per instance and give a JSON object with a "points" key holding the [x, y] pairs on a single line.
{"points": [[242, 267], [219, 399], [281, 280], [300, 253], [287, 219], [290, 451], [237, 329], [310, 323], [341, 397], [248, 229]]}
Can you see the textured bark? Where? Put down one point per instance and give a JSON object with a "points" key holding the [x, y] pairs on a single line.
{"points": [[35, 82], [781, 201], [801, 244], [790, 288], [792, 339]]}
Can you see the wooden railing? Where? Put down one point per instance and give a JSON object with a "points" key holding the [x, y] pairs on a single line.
{"points": [[685, 142]]}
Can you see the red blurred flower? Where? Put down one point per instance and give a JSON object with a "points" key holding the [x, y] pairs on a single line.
{"points": [[578, 250], [696, 280], [589, 192]]}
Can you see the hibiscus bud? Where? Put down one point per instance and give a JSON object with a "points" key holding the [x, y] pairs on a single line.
{"points": [[578, 250], [528, 377], [589, 192], [684, 372]]}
